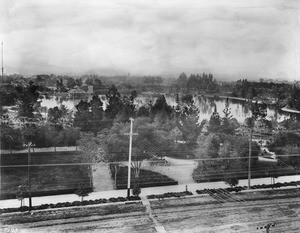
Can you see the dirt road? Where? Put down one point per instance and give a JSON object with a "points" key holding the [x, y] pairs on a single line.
{"points": [[244, 213], [219, 213]]}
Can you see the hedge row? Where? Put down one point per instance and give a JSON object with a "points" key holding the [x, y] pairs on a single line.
{"points": [[277, 185], [170, 194], [68, 204], [219, 190], [240, 188]]}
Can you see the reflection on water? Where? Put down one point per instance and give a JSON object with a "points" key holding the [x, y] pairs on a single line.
{"points": [[239, 108], [70, 104], [57, 101]]}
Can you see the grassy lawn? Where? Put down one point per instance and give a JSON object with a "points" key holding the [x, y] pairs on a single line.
{"points": [[45, 180], [146, 179], [259, 170]]}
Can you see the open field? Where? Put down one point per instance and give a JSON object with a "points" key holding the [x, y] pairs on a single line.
{"points": [[235, 213]]}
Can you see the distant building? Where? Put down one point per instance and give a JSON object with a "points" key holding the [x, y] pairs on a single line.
{"points": [[101, 90], [53, 88], [89, 89], [77, 94]]}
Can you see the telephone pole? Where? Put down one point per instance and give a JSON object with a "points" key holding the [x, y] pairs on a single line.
{"points": [[249, 163], [129, 159], [29, 144], [2, 68]]}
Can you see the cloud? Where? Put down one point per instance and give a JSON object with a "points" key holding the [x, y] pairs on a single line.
{"points": [[228, 38]]}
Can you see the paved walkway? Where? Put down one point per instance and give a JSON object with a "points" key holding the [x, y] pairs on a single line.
{"points": [[102, 180], [144, 192], [178, 169]]}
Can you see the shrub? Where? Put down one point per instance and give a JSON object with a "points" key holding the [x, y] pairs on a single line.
{"points": [[112, 199], [121, 199], [23, 208], [133, 198], [239, 188], [82, 191], [136, 189], [20, 194], [170, 194]]}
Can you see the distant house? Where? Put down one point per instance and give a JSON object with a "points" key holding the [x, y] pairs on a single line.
{"points": [[53, 88], [101, 90], [76, 94], [88, 89]]}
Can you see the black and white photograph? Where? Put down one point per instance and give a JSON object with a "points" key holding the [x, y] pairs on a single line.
{"points": [[144, 116]]}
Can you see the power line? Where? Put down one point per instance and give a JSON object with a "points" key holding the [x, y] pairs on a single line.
{"points": [[195, 160], [260, 171]]}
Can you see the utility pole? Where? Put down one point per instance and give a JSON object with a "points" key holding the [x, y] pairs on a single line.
{"points": [[28, 173], [249, 164], [129, 159], [2, 68]]}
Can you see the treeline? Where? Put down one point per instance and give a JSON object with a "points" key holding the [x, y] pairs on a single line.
{"points": [[196, 82], [250, 89], [283, 94]]}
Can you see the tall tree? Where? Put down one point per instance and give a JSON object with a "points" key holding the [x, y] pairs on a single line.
{"points": [[190, 129], [128, 108], [214, 121], [161, 107], [182, 80], [82, 116], [192, 82], [89, 115], [97, 114], [27, 98], [115, 103], [57, 115], [227, 125], [143, 111], [220, 158]]}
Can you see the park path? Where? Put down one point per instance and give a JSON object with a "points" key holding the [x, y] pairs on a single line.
{"points": [[178, 169], [102, 180]]}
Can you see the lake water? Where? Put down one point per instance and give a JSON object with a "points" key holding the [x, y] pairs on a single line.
{"points": [[239, 108]]}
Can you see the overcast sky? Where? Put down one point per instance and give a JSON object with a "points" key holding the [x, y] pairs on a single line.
{"points": [[229, 38]]}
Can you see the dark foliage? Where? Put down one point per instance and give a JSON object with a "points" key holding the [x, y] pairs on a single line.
{"points": [[146, 178], [240, 188], [70, 204], [170, 194]]}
